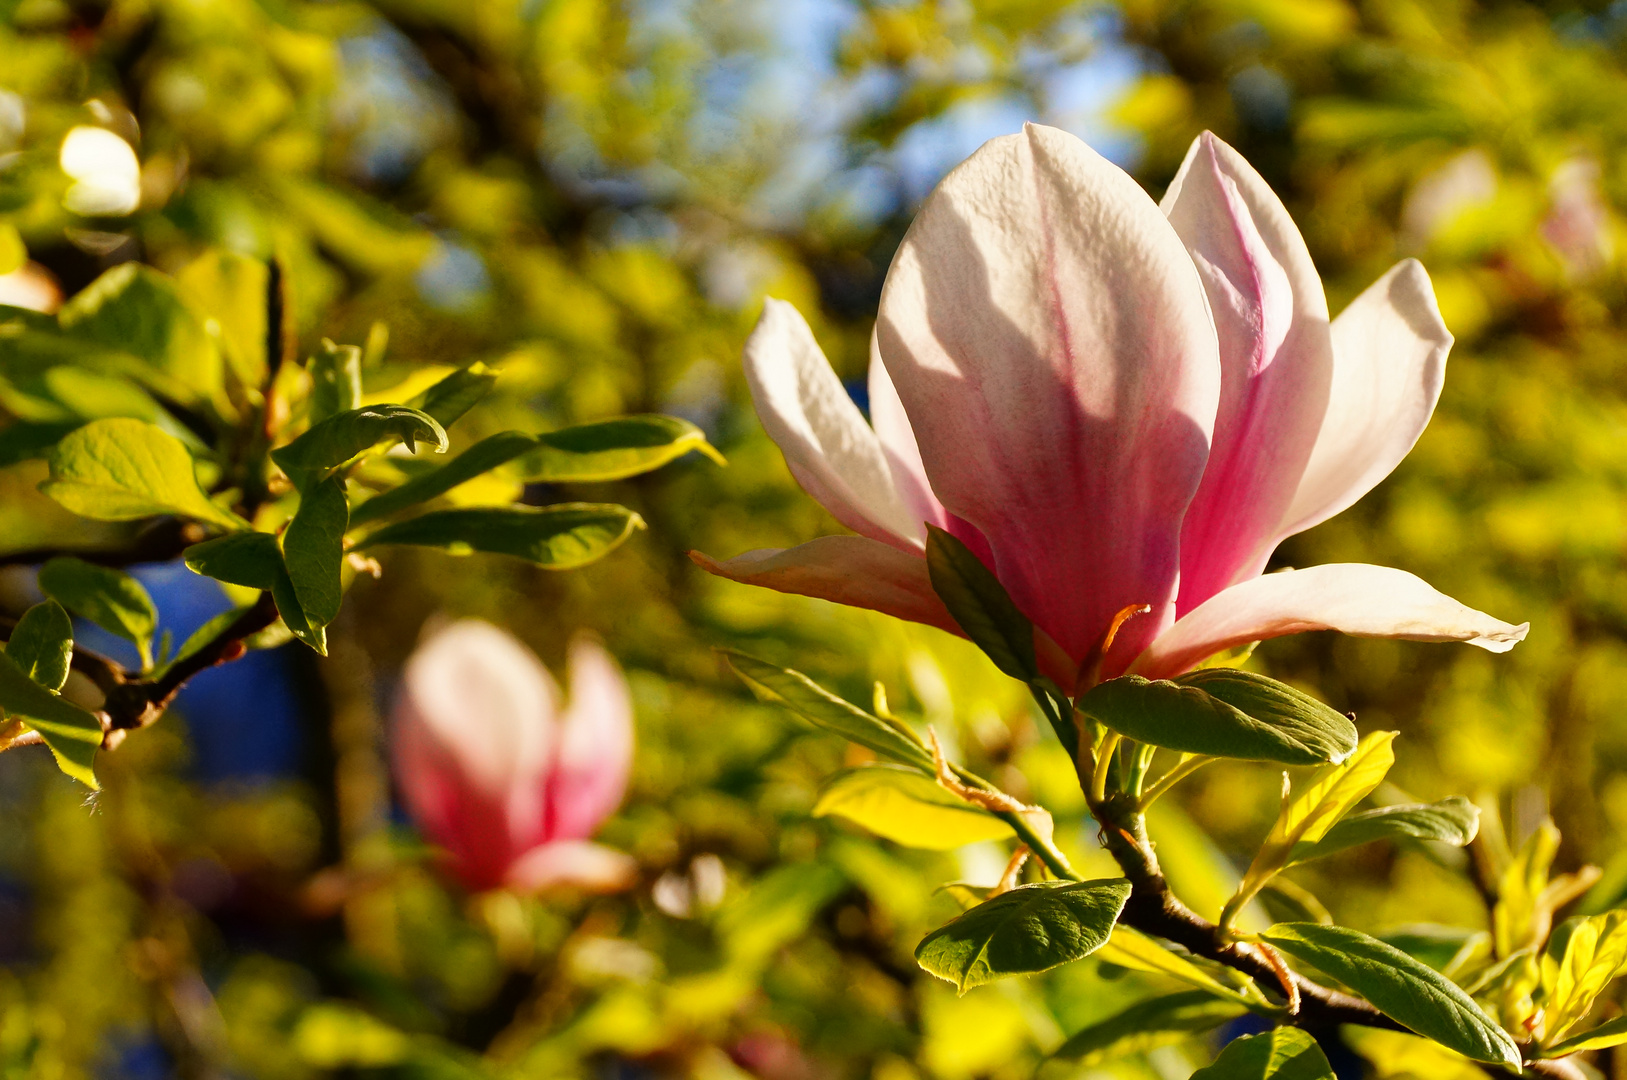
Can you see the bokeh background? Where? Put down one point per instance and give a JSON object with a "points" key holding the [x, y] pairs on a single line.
{"points": [[593, 196]]}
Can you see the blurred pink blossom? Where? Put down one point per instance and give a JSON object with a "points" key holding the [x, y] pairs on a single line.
{"points": [[501, 774], [1113, 403], [1578, 221], [31, 286]]}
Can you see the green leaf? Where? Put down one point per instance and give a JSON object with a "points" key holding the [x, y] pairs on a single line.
{"points": [[981, 605], [1595, 954], [613, 449], [1451, 821], [335, 440], [1400, 987], [456, 394], [41, 644], [1148, 1025], [482, 457], [1283, 1053], [824, 709], [1609, 1033], [231, 289], [200, 637], [336, 380], [314, 550], [13, 252], [1032, 928], [137, 310], [1223, 712], [110, 598], [254, 561], [558, 537], [1134, 950], [24, 441], [121, 469], [72, 733], [907, 808]]}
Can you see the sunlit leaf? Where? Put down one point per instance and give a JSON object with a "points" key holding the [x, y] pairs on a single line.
{"points": [[110, 598], [336, 380], [335, 440], [456, 394], [1032, 928], [1595, 954], [908, 808], [1148, 1025], [231, 289], [121, 469], [612, 449], [41, 644], [73, 734], [138, 310], [558, 537], [1610, 1033], [1451, 821], [482, 457], [1134, 950]]}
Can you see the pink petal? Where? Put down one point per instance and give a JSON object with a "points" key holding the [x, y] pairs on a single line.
{"points": [[576, 864], [848, 570], [898, 444], [595, 752], [1353, 598], [1276, 359], [830, 449], [1051, 344], [473, 734], [1389, 349]]}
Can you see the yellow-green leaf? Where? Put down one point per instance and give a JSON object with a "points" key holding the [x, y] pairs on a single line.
{"points": [[121, 469], [908, 808], [1595, 954]]}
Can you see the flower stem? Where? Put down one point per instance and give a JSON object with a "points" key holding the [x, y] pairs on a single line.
{"points": [[1104, 757]]}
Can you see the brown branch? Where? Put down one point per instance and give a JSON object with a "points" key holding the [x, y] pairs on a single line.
{"points": [[161, 541], [1154, 909]]}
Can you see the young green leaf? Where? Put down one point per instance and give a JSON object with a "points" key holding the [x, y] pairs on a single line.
{"points": [[1032, 928], [1610, 1033], [231, 289], [482, 457], [335, 440], [1148, 1025], [121, 469], [72, 733], [1595, 954], [1400, 987], [336, 380], [1284, 1053], [907, 808], [1223, 712], [254, 561], [456, 394], [137, 310], [110, 598], [612, 449], [558, 537], [1134, 950], [41, 644], [200, 637], [1452, 821], [824, 709], [981, 605], [314, 550], [1521, 918]]}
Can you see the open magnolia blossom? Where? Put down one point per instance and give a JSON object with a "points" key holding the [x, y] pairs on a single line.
{"points": [[1113, 404], [494, 769]]}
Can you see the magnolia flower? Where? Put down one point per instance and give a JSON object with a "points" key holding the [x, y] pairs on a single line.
{"points": [[1115, 404], [503, 776]]}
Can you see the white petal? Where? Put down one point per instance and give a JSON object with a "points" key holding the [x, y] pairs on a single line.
{"points": [[1353, 598], [831, 450], [1389, 359], [898, 443], [575, 864]]}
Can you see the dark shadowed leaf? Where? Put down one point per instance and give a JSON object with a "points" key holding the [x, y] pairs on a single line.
{"points": [[1402, 988], [72, 733], [110, 598], [824, 709], [1450, 821], [482, 457], [1148, 1025], [1223, 712], [612, 449], [314, 550], [335, 440], [981, 605], [138, 310], [558, 537], [41, 644], [1283, 1053], [456, 394], [1029, 929], [254, 561], [336, 380], [121, 469]]}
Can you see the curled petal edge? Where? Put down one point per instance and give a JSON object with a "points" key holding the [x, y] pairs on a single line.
{"points": [[1353, 598]]}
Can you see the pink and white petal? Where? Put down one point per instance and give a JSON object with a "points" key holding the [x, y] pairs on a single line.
{"points": [[1052, 346], [595, 754], [830, 449], [1276, 358], [573, 864], [892, 426], [847, 570], [1389, 359], [1353, 598]]}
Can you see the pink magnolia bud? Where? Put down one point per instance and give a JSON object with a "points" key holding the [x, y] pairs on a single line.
{"points": [[497, 771]]}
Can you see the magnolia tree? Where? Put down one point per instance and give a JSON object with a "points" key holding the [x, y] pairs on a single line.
{"points": [[1092, 421]]}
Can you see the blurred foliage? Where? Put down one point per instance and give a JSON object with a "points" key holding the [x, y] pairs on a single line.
{"points": [[591, 197]]}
